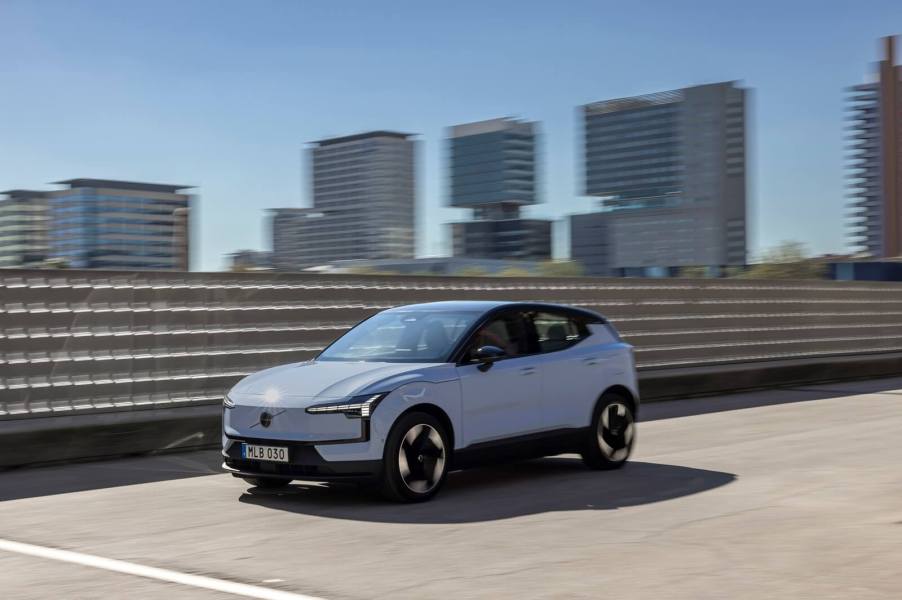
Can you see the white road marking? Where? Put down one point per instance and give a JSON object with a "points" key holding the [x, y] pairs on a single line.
{"points": [[121, 566]]}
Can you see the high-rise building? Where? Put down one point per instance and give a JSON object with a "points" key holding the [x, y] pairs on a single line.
{"points": [[493, 172], [107, 224], [23, 228], [669, 170], [875, 161], [364, 203]]}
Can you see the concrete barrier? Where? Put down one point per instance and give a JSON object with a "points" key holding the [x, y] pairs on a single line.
{"points": [[668, 384], [56, 439]]}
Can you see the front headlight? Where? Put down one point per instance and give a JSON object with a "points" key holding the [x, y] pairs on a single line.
{"points": [[227, 402], [360, 407]]}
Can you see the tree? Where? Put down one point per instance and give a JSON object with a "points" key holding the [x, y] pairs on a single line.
{"points": [[471, 271], [56, 263], [788, 260], [366, 270], [560, 268], [693, 272], [514, 272]]}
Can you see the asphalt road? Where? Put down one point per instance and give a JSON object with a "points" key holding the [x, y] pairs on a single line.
{"points": [[780, 494]]}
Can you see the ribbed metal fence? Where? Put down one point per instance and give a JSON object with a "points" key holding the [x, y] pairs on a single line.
{"points": [[78, 341]]}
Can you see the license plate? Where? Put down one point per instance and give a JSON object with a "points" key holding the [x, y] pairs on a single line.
{"points": [[271, 453]]}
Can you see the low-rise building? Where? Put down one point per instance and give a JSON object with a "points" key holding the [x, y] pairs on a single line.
{"points": [[109, 224], [23, 228]]}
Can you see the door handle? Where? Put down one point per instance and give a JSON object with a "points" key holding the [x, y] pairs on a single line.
{"points": [[527, 370], [591, 361]]}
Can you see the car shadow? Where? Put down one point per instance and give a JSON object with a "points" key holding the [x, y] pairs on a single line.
{"points": [[34, 482], [502, 492]]}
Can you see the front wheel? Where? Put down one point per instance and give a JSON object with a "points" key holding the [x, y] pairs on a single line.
{"points": [[611, 435], [415, 459]]}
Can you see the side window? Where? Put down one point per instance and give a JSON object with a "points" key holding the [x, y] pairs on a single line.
{"points": [[557, 331], [506, 331]]}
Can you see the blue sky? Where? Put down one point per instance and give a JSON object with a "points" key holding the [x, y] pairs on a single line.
{"points": [[224, 94]]}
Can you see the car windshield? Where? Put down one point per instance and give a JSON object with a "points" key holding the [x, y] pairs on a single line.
{"points": [[402, 336]]}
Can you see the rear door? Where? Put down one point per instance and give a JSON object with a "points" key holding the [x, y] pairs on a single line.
{"points": [[573, 358], [505, 400]]}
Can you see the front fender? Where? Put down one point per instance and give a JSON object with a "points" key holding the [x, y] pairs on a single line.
{"points": [[444, 395]]}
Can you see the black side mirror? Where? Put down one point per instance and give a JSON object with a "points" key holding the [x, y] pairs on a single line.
{"points": [[486, 355]]}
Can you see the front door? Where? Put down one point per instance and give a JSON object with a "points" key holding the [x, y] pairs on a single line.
{"points": [[505, 400]]}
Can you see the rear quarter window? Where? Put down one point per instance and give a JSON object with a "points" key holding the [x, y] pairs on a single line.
{"points": [[558, 331]]}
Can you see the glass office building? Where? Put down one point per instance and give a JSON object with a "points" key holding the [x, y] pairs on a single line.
{"points": [[669, 172], [364, 201], [493, 164], [493, 173], [107, 224]]}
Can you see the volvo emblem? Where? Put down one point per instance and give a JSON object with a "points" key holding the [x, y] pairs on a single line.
{"points": [[265, 419]]}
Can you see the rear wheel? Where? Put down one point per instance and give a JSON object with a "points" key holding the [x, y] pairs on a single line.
{"points": [[612, 434], [415, 459], [269, 483]]}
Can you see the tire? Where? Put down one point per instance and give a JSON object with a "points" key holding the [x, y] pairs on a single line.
{"points": [[268, 483], [612, 434], [416, 458]]}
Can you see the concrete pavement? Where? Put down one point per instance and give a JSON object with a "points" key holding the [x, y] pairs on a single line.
{"points": [[780, 494]]}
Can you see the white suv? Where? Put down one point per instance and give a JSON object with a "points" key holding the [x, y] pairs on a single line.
{"points": [[416, 391]]}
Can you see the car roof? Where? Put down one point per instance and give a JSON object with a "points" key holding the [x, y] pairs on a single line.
{"points": [[485, 306], [454, 305]]}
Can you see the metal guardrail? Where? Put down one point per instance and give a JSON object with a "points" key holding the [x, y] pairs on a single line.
{"points": [[75, 342]]}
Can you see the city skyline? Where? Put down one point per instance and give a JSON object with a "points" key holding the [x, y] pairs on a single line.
{"points": [[235, 131]]}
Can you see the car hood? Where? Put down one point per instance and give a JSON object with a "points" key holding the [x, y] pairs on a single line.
{"points": [[325, 380]]}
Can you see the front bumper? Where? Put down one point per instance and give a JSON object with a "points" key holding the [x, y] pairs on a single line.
{"points": [[304, 462]]}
